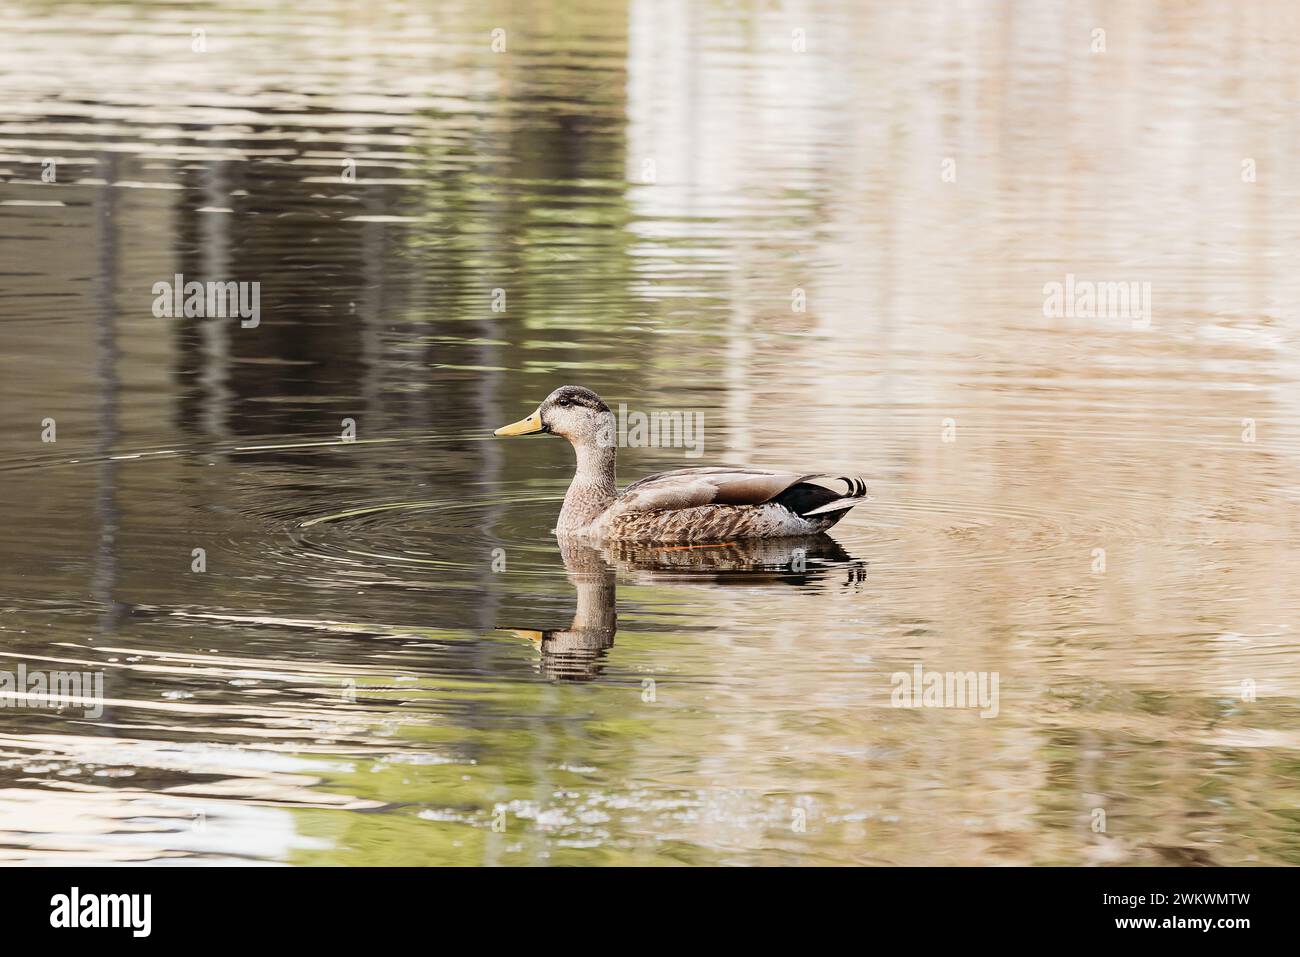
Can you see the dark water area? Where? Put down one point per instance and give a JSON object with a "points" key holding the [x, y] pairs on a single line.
{"points": [[835, 256]]}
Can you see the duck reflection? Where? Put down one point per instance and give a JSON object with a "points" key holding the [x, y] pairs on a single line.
{"points": [[576, 653]]}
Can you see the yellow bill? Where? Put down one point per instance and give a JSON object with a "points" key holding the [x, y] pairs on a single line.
{"points": [[523, 427]]}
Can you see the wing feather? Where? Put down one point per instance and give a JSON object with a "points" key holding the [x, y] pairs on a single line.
{"points": [[709, 485]]}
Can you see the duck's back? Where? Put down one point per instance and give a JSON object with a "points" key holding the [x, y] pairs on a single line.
{"points": [[714, 503]]}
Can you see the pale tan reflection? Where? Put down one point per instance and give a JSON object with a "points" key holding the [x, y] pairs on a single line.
{"points": [[576, 653]]}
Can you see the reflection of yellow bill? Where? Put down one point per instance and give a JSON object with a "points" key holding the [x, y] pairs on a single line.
{"points": [[534, 636], [523, 427]]}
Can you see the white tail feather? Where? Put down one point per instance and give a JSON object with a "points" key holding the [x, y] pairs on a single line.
{"points": [[838, 505]]}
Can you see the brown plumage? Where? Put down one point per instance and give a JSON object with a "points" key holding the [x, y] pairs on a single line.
{"points": [[708, 504]]}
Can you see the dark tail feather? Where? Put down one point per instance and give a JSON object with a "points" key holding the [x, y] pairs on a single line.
{"points": [[808, 498]]}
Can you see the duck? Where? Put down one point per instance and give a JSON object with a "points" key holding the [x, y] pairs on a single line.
{"points": [[688, 505]]}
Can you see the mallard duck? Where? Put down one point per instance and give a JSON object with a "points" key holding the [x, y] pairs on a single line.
{"points": [[707, 504]]}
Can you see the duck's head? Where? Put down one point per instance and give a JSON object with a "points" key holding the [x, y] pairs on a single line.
{"points": [[576, 413]]}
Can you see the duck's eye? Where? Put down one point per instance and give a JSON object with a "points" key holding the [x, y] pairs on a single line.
{"points": [[564, 402]]}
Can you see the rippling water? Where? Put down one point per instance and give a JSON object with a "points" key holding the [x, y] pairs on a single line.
{"points": [[386, 657]]}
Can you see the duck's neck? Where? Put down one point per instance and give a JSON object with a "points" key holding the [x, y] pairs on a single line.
{"points": [[592, 489]]}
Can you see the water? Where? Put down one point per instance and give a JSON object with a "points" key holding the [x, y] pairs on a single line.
{"points": [[387, 658]]}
